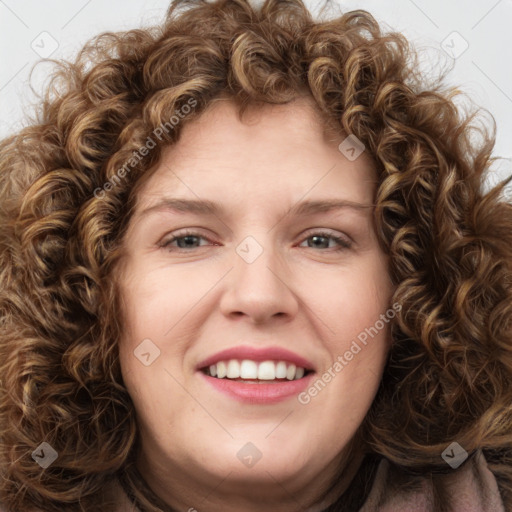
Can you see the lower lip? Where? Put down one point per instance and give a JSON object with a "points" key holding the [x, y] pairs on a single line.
{"points": [[259, 393]]}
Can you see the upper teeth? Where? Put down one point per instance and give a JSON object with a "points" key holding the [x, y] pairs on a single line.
{"points": [[264, 370]]}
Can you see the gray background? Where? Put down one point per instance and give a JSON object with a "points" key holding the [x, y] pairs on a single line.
{"points": [[441, 29]]}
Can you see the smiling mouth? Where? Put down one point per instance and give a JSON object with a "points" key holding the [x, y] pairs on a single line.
{"points": [[254, 372]]}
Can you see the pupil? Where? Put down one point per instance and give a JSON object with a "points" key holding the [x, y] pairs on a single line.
{"points": [[184, 239], [318, 237]]}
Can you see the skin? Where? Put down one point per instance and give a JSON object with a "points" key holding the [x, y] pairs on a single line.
{"points": [[297, 294]]}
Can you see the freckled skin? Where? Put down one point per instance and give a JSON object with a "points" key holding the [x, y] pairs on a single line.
{"points": [[300, 293]]}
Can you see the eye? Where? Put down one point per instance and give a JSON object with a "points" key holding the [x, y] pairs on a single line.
{"points": [[343, 242], [184, 239], [189, 239]]}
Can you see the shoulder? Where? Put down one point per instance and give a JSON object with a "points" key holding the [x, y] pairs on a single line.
{"points": [[470, 488]]}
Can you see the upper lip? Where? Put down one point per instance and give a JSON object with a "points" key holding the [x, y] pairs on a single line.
{"points": [[256, 354]]}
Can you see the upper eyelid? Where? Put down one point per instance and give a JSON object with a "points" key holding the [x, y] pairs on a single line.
{"points": [[199, 231]]}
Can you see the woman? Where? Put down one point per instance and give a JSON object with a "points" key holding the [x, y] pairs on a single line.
{"points": [[338, 339]]}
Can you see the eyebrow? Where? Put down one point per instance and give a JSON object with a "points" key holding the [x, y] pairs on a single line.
{"points": [[207, 207]]}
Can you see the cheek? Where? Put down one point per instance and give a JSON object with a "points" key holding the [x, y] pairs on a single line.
{"points": [[351, 301], [154, 303], [348, 383], [155, 308], [154, 388], [358, 314]]}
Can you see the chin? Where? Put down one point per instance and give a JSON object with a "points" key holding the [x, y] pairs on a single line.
{"points": [[250, 458]]}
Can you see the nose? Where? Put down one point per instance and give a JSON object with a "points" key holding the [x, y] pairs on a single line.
{"points": [[260, 290]]}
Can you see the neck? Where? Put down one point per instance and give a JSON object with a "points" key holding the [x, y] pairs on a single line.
{"points": [[185, 490]]}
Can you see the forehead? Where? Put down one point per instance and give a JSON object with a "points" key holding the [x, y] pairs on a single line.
{"points": [[272, 148], [293, 121]]}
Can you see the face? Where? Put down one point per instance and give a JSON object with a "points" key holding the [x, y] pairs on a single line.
{"points": [[293, 294]]}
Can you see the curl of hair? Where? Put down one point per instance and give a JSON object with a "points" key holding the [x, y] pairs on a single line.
{"points": [[65, 205]]}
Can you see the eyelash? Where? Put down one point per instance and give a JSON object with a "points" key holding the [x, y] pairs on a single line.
{"points": [[343, 243]]}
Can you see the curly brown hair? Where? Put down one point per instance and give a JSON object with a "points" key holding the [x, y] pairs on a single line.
{"points": [[449, 374]]}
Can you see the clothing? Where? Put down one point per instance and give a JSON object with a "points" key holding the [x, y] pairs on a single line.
{"points": [[472, 487]]}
